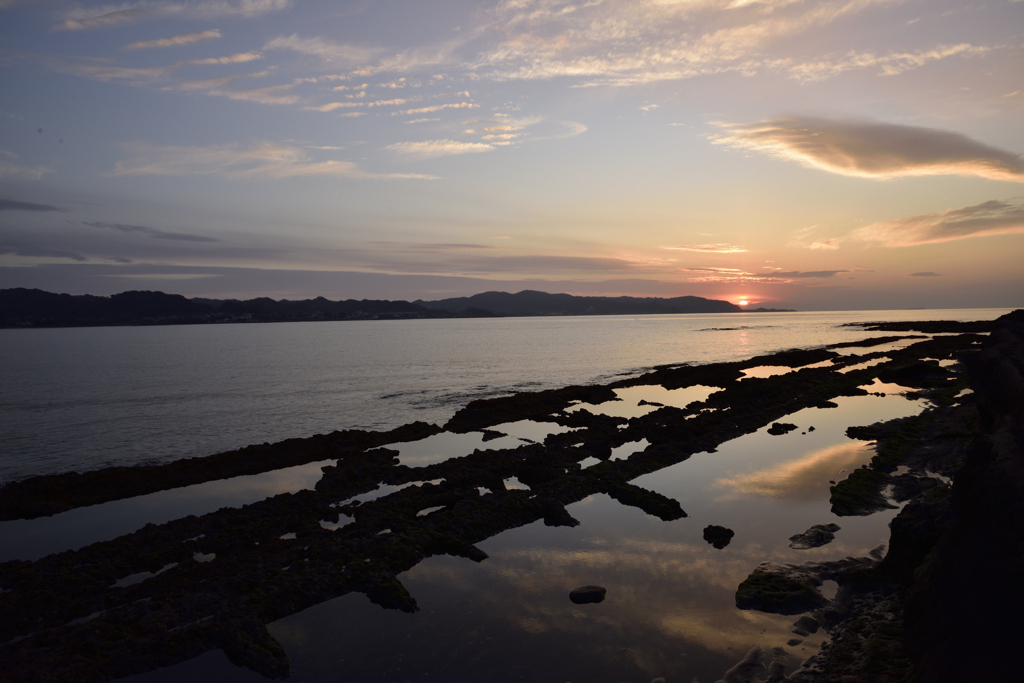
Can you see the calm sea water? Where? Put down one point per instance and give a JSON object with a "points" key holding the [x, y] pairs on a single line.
{"points": [[86, 398]]}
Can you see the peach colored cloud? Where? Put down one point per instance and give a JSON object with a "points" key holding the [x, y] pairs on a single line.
{"points": [[873, 149]]}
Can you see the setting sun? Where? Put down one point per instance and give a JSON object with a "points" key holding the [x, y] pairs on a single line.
{"points": [[743, 302]]}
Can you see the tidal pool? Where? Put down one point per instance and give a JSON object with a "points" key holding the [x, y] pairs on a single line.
{"points": [[669, 609]]}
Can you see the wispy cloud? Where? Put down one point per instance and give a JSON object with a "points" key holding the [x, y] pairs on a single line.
{"points": [[629, 42], [262, 160], [988, 218], [437, 107], [173, 41], [84, 18], [149, 75], [429, 149], [797, 274], [218, 87], [872, 149], [708, 248], [11, 169], [40, 252], [890, 64], [328, 51], [432, 246], [150, 232], [12, 205], [926, 274]]}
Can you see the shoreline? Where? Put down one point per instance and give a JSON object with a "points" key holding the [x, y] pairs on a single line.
{"points": [[464, 518]]}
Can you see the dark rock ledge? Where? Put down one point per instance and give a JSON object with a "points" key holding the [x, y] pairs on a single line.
{"points": [[62, 618]]}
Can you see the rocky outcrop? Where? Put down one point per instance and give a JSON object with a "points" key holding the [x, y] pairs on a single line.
{"points": [[971, 582]]}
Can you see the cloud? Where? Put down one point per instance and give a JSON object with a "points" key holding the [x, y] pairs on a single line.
{"points": [[981, 220], [270, 94], [40, 252], [926, 274], [804, 274], [872, 149], [326, 50], [429, 149], [260, 160], [625, 42], [152, 232], [103, 20], [12, 205], [10, 169], [150, 75], [83, 19], [437, 107], [237, 58], [430, 246], [173, 41], [708, 248], [890, 64], [331, 106]]}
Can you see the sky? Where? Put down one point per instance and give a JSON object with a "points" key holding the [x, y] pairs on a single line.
{"points": [[818, 155]]}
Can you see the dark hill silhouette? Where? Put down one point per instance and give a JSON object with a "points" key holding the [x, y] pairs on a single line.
{"points": [[531, 302], [45, 309], [36, 308]]}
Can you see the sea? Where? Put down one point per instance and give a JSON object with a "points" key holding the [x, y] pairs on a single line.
{"points": [[78, 399]]}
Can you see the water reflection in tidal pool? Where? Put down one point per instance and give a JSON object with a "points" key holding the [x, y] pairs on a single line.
{"points": [[628, 405], [669, 609]]}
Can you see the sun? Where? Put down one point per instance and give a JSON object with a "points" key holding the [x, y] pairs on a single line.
{"points": [[743, 302]]}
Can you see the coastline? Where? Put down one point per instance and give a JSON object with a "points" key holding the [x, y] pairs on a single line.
{"points": [[551, 470]]}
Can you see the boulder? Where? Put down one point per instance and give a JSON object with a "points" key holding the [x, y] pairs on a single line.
{"points": [[587, 594]]}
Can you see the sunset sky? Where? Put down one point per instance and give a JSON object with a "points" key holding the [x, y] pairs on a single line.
{"points": [[838, 154]]}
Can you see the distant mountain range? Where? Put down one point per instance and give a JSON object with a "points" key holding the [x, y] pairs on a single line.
{"points": [[36, 308]]}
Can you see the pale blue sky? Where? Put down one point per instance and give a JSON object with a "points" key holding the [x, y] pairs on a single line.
{"points": [[833, 154]]}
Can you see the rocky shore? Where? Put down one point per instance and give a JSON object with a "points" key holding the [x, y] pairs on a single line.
{"points": [[939, 606], [69, 616]]}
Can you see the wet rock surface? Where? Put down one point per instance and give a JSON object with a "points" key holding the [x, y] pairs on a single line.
{"points": [[61, 618], [815, 537]]}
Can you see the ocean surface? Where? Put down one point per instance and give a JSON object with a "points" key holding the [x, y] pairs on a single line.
{"points": [[76, 399], [83, 398]]}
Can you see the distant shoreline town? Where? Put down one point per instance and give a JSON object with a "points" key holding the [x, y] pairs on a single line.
{"points": [[36, 308]]}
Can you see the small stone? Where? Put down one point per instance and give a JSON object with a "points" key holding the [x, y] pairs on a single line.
{"points": [[800, 632], [793, 642], [808, 624], [780, 428], [587, 594], [659, 679], [718, 536]]}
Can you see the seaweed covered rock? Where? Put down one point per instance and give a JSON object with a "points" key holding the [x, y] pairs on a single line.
{"points": [[780, 589], [859, 494]]}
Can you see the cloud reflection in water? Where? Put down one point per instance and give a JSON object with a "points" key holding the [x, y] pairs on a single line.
{"points": [[799, 480]]}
